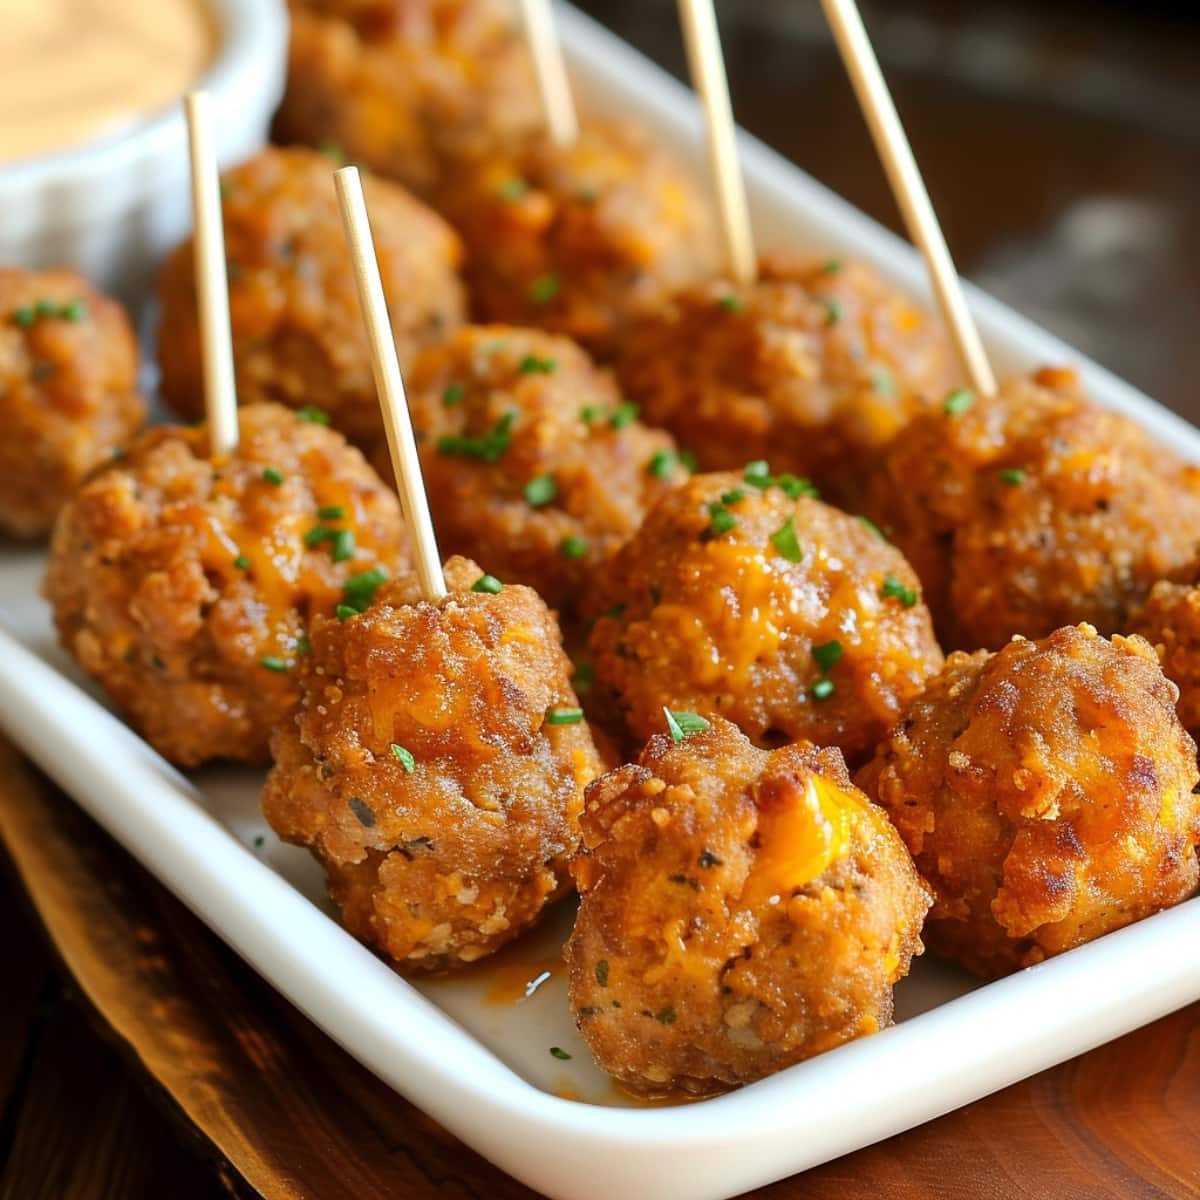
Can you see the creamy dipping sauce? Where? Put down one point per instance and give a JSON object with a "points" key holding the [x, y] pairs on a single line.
{"points": [[72, 71]]}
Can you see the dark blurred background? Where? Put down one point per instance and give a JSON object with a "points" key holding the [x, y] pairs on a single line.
{"points": [[1060, 141]]}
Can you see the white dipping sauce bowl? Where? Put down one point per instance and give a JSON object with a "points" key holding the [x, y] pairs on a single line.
{"points": [[113, 207]]}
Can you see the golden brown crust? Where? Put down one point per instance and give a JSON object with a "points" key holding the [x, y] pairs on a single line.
{"points": [[724, 623], [1170, 622], [582, 240], [1035, 510], [564, 433], [442, 864], [409, 89], [814, 367], [298, 334], [68, 391], [740, 911], [151, 598], [1045, 792]]}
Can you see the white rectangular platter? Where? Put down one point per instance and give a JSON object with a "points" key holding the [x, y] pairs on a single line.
{"points": [[474, 1052]]}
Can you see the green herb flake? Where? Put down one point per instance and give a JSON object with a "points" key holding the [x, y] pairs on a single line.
{"points": [[75, 310], [870, 526], [823, 689], [683, 724], [1013, 476], [559, 1053], [45, 308], [332, 151], [540, 490], [662, 464], [573, 547], [602, 972], [833, 310], [488, 584], [272, 476], [583, 678], [343, 545], [24, 316], [623, 414], [564, 716], [793, 487], [303, 646], [359, 590], [666, 1016], [758, 474], [332, 512], [689, 461], [273, 663], [544, 288], [616, 612], [832, 267], [242, 562], [958, 401], [589, 414], [318, 534], [404, 758], [453, 394], [720, 520], [344, 612], [512, 189], [531, 364], [313, 415], [731, 303], [734, 496], [826, 654], [786, 543], [893, 589], [489, 447]]}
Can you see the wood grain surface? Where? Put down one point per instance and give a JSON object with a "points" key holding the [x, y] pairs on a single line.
{"points": [[274, 1103]]}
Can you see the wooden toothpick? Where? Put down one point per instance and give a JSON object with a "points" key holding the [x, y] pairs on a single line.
{"points": [[557, 105], [212, 286], [908, 187], [706, 65], [397, 422]]}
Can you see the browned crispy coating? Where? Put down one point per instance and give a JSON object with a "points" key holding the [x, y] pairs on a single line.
{"points": [[298, 334], [185, 586], [1045, 792], [568, 472], [796, 622], [68, 391], [409, 88], [1034, 510], [740, 911], [441, 864], [814, 366], [1170, 622], [583, 240]]}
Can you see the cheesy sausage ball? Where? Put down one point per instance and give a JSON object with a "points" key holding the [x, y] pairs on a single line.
{"points": [[409, 88], [533, 464], [1045, 792], [815, 366], [437, 767], [68, 391], [743, 596], [185, 584], [1034, 510], [741, 910], [1170, 622], [298, 334], [583, 240]]}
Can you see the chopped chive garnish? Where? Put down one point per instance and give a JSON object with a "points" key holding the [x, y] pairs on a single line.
{"points": [[662, 464], [823, 689], [573, 547], [344, 612], [616, 612], [883, 381], [489, 584], [559, 1052], [826, 654], [602, 972], [242, 563], [758, 473], [689, 460], [272, 663], [957, 402], [666, 1016], [833, 310], [512, 189], [303, 646], [76, 310], [892, 588], [786, 543], [733, 497], [870, 526], [332, 151], [832, 267], [272, 476], [24, 316], [623, 414], [313, 415], [332, 512], [540, 490], [793, 487], [683, 724], [583, 677], [590, 413], [1012, 476], [720, 520], [564, 716], [318, 534], [453, 394], [531, 364], [489, 447], [404, 758], [45, 308], [731, 303], [359, 590], [543, 289]]}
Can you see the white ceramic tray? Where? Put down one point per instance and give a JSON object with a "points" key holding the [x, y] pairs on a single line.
{"points": [[467, 1050]]}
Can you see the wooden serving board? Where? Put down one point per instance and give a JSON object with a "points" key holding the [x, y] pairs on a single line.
{"points": [[286, 1113]]}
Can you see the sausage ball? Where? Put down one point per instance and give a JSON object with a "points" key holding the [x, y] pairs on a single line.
{"points": [[815, 366], [583, 240], [410, 88], [436, 767], [185, 585], [740, 595], [1045, 792], [1170, 622], [533, 464], [298, 333], [740, 910], [1034, 510], [68, 391]]}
